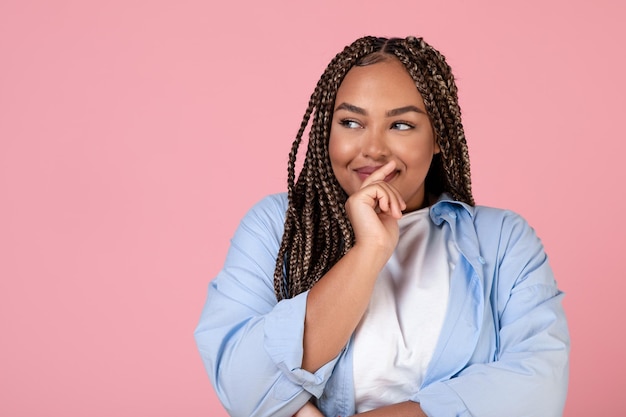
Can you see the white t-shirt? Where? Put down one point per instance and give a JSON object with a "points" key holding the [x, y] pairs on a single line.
{"points": [[395, 340]]}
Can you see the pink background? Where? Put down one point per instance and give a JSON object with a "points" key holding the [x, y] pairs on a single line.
{"points": [[135, 134]]}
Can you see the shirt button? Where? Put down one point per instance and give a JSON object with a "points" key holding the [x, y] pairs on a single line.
{"points": [[453, 215], [481, 260]]}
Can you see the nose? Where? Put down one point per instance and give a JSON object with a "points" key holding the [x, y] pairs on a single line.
{"points": [[375, 145]]}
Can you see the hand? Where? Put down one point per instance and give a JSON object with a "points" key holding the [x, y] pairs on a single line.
{"points": [[309, 410], [374, 210]]}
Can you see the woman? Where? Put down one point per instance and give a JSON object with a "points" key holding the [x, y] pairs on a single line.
{"points": [[376, 286]]}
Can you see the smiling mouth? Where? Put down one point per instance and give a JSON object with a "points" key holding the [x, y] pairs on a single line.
{"points": [[391, 176], [364, 173]]}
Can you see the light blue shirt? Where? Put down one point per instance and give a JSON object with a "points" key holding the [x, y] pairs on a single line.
{"points": [[503, 349]]}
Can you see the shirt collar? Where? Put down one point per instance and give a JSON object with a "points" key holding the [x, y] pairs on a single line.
{"points": [[446, 205]]}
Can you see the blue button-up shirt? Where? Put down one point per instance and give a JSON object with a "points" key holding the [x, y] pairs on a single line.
{"points": [[503, 349]]}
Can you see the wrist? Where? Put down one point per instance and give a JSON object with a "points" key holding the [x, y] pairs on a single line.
{"points": [[374, 254]]}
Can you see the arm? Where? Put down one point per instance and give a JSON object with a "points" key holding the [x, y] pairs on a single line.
{"points": [[405, 409], [309, 410], [250, 344], [338, 300], [530, 371]]}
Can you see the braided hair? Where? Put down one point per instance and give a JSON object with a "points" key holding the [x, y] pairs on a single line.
{"points": [[317, 230]]}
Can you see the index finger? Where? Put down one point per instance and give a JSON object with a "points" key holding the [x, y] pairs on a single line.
{"points": [[380, 174]]}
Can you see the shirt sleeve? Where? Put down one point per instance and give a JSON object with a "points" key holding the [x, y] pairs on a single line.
{"points": [[250, 344], [529, 375]]}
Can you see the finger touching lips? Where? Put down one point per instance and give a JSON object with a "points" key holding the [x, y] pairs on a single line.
{"points": [[384, 173]]}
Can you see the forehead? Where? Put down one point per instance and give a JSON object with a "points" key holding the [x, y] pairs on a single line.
{"points": [[385, 82]]}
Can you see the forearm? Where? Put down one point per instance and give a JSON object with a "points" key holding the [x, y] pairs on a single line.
{"points": [[309, 410], [532, 363], [245, 356], [509, 393], [405, 409], [337, 302]]}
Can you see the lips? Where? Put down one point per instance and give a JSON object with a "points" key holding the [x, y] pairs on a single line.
{"points": [[391, 176], [366, 171]]}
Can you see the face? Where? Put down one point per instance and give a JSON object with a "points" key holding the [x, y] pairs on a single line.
{"points": [[380, 116]]}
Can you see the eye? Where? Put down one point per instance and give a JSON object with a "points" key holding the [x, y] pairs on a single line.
{"points": [[402, 126], [350, 124]]}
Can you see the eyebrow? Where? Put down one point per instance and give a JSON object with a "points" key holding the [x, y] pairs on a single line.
{"points": [[405, 109], [391, 113]]}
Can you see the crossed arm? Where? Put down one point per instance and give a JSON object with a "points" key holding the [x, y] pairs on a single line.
{"points": [[404, 409]]}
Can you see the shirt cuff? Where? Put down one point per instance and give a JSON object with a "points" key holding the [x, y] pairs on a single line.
{"points": [[440, 400], [284, 333]]}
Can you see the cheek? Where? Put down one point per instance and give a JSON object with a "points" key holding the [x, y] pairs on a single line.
{"points": [[338, 150], [341, 154], [417, 158]]}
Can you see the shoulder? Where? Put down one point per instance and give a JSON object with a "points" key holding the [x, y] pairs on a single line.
{"points": [[496, 230], [508, 220], [485, 219], [511, 227], [267, 216], [273, 205], [510, 244], [509, 247]]}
